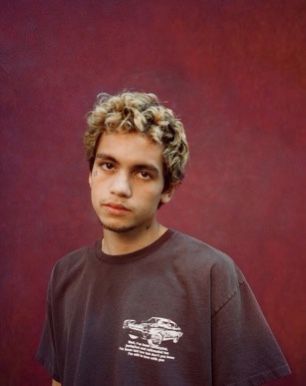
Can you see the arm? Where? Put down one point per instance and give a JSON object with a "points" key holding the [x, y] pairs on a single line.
{"points": [[55, 383]]}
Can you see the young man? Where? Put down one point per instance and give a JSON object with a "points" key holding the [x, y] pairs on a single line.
{"points": [[147, 305]]}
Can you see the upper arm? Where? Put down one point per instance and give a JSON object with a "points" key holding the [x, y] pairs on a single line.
{"points": [[55, 383]]}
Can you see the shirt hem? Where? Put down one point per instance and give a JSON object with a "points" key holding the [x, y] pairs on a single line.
{"points": [[261, 378]]}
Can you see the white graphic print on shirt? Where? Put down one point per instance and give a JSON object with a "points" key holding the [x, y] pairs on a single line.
{"points": [[154, 331]]}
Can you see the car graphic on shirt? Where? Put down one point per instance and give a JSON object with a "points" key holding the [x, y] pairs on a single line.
{"points": [[154, 330]]}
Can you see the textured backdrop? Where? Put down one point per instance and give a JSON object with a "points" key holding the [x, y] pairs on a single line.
{"points": [[234, 71]]}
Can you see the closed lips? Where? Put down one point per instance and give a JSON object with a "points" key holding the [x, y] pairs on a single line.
{"points": [[116, 206]]}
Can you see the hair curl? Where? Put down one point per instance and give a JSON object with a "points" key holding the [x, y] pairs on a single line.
{"points": [[139, 112]]}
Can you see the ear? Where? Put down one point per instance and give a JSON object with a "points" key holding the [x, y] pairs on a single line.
{"points": [[90, 179], [168, 194]]}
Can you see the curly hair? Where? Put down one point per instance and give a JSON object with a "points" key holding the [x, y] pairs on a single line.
{"points": [[139, 112]]}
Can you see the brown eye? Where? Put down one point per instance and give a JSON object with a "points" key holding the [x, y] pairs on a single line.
{"points": [[106, 165], [145, 175]]}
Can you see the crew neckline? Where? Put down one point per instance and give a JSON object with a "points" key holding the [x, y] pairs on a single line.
{"points": [[132, 256]]}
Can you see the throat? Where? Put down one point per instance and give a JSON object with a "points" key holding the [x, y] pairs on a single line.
{"points": [[115, 243]]}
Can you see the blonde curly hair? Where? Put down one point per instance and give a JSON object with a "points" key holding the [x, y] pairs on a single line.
{"points": [[139, 112]]}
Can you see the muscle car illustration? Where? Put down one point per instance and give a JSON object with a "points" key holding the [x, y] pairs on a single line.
{"points": [[154, 330]]}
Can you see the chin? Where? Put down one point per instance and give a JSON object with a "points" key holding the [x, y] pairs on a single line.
{"points": [[119, 228]]}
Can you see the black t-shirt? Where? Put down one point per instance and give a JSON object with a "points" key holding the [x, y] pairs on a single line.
{"points": [[177, 312]]}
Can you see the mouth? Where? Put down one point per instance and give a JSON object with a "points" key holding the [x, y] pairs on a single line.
{"points": [[115, 208]]}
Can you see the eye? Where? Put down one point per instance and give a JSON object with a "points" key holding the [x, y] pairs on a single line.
{"points": [[106, 165], [144, 175]]}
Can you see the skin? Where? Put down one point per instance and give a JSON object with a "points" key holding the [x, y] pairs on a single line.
{"points": [[127, 185], [126, 188]]}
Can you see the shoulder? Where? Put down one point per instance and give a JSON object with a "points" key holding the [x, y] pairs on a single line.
{"points": [[70, 266], [200, 253], [208, 264], [74, 257]]}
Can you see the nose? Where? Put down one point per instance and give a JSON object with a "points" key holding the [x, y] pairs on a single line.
{"points": [[120, 185]]}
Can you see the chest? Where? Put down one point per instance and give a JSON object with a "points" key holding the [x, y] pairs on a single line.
{"points": [[153, 318]]}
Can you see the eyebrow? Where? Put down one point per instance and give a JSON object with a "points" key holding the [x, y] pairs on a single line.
{"points": [[105, 157], [147, 166]]}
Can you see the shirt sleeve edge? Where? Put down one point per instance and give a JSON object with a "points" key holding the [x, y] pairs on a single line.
{"points": [[49, 367]]}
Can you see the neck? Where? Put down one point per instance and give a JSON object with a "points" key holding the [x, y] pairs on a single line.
{"points": [[116, 243]]}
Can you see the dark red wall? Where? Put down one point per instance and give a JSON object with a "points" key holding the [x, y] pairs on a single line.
{"points": [[235, 72]]}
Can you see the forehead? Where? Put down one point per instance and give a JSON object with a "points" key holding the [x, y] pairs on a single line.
{"points": [[131, 148]]}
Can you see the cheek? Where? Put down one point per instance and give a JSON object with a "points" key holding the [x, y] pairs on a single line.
{"points": [[96, 189], [96, 172], [151, 195]]}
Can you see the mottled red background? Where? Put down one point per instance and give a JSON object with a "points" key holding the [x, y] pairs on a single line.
{"points": [[234, 71]]}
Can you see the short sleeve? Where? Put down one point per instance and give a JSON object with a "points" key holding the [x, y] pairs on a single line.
{"points": [[46, 353], [245, 351]]}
